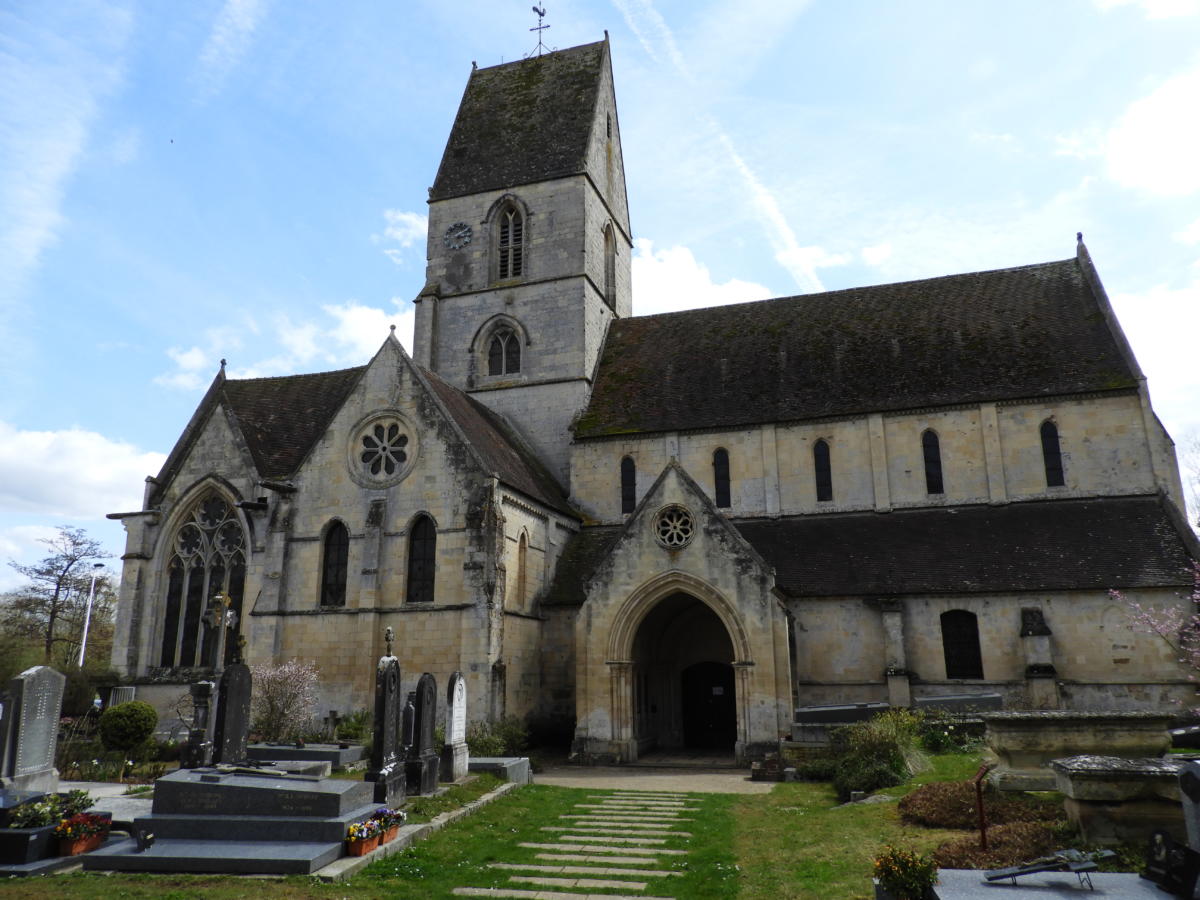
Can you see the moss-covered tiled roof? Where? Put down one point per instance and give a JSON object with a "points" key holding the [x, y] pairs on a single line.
{"points": [[1025, 332], [522, 122]]}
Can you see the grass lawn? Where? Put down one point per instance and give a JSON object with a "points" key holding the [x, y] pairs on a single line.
{"points": [[795, 842]]}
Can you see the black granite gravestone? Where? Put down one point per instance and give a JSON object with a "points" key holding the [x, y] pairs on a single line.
{"points": [[198, 751], [423, 758], [386, 768], [233, 715], [1172, 866]]}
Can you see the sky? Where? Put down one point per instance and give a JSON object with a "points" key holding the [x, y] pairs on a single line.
{"points": [[246, 179]]}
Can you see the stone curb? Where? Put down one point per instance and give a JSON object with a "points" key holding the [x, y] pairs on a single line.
{"points": [[342, 868]]}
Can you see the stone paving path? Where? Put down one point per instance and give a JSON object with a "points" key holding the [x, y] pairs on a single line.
{"points": [[612, 842]]}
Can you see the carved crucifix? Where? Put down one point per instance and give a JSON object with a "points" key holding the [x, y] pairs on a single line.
{"points": [[220, 616]]}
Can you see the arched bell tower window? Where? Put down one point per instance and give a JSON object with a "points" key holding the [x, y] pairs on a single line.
{"points": [[610, 267], [422, 556], [1052, 455], [628, 485], [335, 556], [823, 470], [932, 451], [207, 557], [721, 477], [960, 644], [504, 352], [510, 245]]}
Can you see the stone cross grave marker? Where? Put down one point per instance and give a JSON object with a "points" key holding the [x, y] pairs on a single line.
{"points": [[387, 757], [29, 726], [423, 759], [454, 753], [198, 751]]}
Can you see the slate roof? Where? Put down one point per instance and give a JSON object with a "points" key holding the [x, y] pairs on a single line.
{"points": [[1126, 542], [1025, 332], [501, 451], [522, 122], [1054, 545]]}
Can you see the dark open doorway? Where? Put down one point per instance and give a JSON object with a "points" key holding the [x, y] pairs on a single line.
{"points": [[709, 707]]}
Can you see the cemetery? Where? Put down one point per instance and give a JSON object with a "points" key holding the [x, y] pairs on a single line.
{"points": [[952, 797]]}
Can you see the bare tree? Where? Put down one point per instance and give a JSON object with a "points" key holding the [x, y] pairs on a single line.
{"points": [[56, 592]]}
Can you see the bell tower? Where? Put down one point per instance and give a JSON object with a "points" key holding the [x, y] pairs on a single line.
{"points": [[529, 243]]}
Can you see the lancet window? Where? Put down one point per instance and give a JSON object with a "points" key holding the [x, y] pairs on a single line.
{"points": [[510, 247], [422, 557], [1052, 455], [932, 450], [504, 353], [334, 565], [822, 470]]}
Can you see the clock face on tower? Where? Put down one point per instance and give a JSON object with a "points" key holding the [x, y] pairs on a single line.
{"points": [[458, 235]]}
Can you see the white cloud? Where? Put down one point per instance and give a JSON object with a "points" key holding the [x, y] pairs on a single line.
{"points": [[878, 254], [405, 228], [1190, 234], [1083, 145], [361, 329], [652, 32], [1154, 146], [1155, 9], [53, 80], [229, 40], [672, 279], [71, 473]]}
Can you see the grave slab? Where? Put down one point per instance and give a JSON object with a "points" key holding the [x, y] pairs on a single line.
{"points": [[336, 755], [968, 884], [511, 768], [231, 857], [243, 792]]}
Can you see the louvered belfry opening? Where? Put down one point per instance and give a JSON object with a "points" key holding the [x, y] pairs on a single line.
{"points": [[511, 245]]}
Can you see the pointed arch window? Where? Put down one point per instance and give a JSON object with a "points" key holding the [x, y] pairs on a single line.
{"points": [[960, 644], [510, 247], [610, 267], [822, 470], [933, 462], [628, 485], [422, 559], [721, 477], [522, 572], [207, 557], [1052, 455], [504, 352], [334, 561]]}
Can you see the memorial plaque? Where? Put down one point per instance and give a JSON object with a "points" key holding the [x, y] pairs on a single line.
{"points": [[1172, 866]]}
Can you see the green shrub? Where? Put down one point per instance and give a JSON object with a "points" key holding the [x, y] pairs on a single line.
{"points": [[507, 737], [127, 726], [821, 768], [905, 874], [878, 753], [863, 773], [356, 726]]}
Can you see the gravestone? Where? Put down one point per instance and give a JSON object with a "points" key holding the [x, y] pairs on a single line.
{"points": [[454, 752], [423, 758], [198, 751], [232, 724], [29, 726], [386, 768], [1172, 866]]}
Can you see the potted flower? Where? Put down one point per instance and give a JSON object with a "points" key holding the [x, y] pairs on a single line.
{"points": [[389, 821], [29, 836], [904, 875], [81, 833], [362, 837]]}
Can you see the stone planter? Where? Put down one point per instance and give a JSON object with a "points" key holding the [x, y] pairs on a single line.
{"points": [[1024, 743], [1112, 799], [19, 846]]}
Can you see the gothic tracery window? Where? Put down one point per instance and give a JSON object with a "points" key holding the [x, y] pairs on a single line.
{"points": [[510, 247], [504, 353], [207, 557]]}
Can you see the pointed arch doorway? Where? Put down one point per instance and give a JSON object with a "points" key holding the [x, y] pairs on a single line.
{"points": [[685, 698]]}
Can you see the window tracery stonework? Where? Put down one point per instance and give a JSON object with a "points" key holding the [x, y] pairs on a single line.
{"points": [[382, 450], [674, 527]]}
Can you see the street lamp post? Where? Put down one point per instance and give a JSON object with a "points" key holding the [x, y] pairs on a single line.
{"points": [[87, 617]]}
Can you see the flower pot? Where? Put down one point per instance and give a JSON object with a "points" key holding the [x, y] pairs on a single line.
{"points": [[390, 834], [363, 847], [882, 893], [76, 846]]}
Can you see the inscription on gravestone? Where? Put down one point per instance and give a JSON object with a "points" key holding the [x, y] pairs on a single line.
{"points": [[30, 728], [455, 762]]}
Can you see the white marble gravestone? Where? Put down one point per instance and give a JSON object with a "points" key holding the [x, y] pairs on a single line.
{"points": [[454, 751], [29, 727]]}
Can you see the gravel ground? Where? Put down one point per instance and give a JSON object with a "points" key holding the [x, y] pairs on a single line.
{"points": [[705, 781]]}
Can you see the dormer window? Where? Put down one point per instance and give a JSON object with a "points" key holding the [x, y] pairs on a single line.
{"points": [[504, 353], [510, 248]]}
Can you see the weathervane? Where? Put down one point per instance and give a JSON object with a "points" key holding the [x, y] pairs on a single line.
{"points": [[540, 12]]}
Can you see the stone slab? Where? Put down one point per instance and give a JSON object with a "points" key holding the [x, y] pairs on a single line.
{"points": [[606, 860], [519, 894], [960, 703], [208, 792], [968, 884], [551, 881], [511, 768], [840, 713], [252, 828], [206, 857], [338, 757], [582, 870], [597, 848], [51, 864]]}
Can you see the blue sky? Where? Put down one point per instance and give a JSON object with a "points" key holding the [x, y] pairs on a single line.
{"points": [[246, 179]]}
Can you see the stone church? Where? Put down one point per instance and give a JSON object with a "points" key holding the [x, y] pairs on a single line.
{"points": [[671, 531]]}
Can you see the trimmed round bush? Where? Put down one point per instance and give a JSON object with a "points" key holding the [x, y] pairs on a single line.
{"points": [[127, 726]]}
